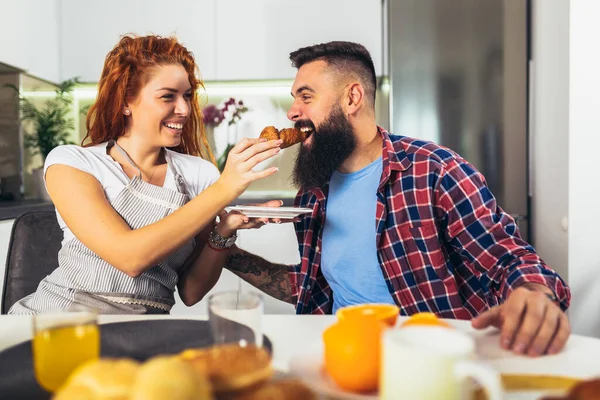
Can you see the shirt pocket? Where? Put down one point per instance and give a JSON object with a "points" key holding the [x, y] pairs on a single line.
{"points": [[424, 249]]}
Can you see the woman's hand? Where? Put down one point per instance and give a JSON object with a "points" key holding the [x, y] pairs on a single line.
{"points": [[244, 156]]}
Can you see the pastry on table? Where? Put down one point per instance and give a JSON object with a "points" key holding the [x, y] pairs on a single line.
{"points": [[584, 390], [283, 389], [163, 377], [103, 379], [231, 367], [170, 378]]}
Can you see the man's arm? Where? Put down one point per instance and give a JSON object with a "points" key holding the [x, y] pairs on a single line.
{"points": [[273, 279], [487, 238], [531, 295]]}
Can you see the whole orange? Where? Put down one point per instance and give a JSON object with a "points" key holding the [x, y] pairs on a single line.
{"points": [[352, 353], [424, 318], [386, 313]]}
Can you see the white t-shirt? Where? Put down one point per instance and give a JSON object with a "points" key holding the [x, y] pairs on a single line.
{"points": [[197, 173]]}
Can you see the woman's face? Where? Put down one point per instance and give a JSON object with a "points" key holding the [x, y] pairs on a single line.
{"points": [[160, 110]]}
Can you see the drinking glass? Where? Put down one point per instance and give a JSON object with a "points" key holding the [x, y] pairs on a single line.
{"points": [[236, 317], [61, 342]]}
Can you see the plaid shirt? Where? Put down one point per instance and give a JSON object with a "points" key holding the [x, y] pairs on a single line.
{"points": [[443, 243]]}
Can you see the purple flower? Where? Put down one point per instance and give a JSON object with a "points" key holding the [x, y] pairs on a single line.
{"points": [[213, 116]]}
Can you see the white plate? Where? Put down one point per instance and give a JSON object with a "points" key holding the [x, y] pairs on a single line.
{"points": [[309, 368], [271, 212]]}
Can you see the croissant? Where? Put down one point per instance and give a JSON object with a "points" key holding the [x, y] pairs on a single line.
{"points": [[290, 136]]}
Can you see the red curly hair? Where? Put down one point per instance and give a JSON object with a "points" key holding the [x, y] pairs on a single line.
{"points": [[126, 71]]}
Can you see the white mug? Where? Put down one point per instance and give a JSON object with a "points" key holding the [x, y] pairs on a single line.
{"points": [[432, 363]]}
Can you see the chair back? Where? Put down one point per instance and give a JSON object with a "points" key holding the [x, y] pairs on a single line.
{"points": [[32, 255]]}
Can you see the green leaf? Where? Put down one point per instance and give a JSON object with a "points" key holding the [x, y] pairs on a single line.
{"points": [[51, 124], [223, 159]]}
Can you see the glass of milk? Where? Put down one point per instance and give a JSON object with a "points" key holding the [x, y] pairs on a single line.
{"points": [[433, 363]]}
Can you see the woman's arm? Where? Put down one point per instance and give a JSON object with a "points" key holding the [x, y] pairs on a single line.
{"points": [[201, 270], [204, 266], [80, 200]]}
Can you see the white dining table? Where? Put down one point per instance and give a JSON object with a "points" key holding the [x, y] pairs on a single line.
{"points": [[295, 335]]}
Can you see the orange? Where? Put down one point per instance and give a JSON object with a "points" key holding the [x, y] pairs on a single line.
{"points": [[425, 318], [386, 313], [352, 353]]}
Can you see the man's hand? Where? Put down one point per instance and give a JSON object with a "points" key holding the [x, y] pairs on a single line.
{"points": [[529, 322]]}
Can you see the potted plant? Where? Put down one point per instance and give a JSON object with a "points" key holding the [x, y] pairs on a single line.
{"points": [[51, 126]]}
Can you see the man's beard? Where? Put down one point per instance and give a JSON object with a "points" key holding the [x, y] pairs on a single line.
{"points": [[331, 145]]}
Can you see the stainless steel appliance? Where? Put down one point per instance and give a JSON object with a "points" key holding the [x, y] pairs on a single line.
{"points": [[458, 76]]}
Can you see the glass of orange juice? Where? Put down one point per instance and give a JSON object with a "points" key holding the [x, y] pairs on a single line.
{"points": [[61, 342]]}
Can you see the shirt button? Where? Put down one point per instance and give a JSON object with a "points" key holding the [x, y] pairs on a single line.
{"points": [[307, 287]]}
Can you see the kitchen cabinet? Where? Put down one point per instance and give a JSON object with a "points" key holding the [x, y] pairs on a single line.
{"points": [[254, 38], [89, 30], [29, 38]]}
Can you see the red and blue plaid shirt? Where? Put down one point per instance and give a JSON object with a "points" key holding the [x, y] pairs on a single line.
{"points": [[443, 243]]}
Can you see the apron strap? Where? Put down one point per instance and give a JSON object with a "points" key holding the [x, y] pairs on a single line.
{"points": [[179, 181], [124, 154]]}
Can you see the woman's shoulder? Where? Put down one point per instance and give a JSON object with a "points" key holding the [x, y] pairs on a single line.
{"points": [[74, 155], [66, 150]]}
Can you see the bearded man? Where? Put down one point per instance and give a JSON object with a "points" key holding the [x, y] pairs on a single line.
{"points": [[400, 220]]}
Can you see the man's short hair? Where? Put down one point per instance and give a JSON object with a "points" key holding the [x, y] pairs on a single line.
{"points": [[344, 57]]}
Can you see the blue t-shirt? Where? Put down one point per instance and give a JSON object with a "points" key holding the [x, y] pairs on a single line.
{"points": [[349, 256]]}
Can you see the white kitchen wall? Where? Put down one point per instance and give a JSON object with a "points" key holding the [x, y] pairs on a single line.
{"points": [[231, 39], [584, 184], [565, 104], [90, 29], [255, 37], [29, 36], [549, 130]]}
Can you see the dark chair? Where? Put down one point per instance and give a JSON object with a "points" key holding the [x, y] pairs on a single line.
{"points": [[32, 255]]}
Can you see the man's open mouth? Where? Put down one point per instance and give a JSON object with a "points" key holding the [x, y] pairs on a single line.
{"points": [[306, 131]]}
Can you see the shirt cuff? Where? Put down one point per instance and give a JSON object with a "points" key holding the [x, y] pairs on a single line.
{"points": [[540, 275], [293, 273]]}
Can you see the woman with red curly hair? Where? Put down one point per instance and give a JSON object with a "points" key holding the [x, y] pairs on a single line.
{"points": [[138, 201]]}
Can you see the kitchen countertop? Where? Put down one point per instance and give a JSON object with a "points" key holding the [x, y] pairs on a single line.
{"points": [[12, 209]]}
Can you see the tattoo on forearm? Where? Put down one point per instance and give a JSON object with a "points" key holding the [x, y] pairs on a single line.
{"points": [[245, 264], [271, 278]]}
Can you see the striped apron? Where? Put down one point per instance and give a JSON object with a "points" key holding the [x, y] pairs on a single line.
{"points": [[83, 279]]}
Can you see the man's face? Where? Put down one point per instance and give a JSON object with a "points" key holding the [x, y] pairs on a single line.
{"points": [[317, 110]]}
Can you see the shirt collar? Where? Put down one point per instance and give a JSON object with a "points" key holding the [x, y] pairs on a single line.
{"points": [[394, 158]]}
